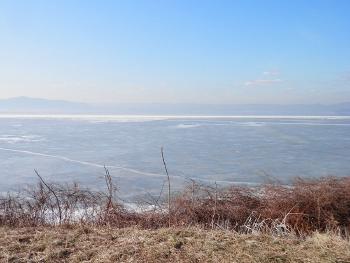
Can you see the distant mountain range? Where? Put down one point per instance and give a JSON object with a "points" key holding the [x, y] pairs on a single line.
{"points": [[26, 105], [37, 105]]}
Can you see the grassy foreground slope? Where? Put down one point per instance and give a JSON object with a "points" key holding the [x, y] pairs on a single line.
{"points": [[103, 244]]}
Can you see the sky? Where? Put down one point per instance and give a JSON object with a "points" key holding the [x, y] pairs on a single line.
{"points": [[211, 52]]}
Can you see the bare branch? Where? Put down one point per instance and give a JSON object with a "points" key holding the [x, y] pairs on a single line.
{"points": [[169, 185], [53, 192]]}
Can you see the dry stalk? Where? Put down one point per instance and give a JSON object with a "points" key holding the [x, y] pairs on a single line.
{"points": [[169, 185], [55, 195]]}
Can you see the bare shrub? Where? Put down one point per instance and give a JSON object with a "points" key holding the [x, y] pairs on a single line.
{"points": [[305, 206]]}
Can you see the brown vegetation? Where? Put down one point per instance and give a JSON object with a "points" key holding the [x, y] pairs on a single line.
{"points": [[104, 244], [306, 206], [307, 221]]}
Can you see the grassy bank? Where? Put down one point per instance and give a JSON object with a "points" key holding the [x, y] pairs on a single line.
{"points": [[307, 221], [103, 244]]}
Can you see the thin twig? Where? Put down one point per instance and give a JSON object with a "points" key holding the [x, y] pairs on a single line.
{"points": [[53, 192], [169, 185]]}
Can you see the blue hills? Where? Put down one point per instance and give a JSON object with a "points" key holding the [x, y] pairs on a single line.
{"points": [[28, 105]]}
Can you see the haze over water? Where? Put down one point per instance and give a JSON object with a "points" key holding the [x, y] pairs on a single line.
{"points": [[228, 150]]}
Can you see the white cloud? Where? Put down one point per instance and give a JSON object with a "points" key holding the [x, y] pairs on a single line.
{"points": [[261, 82], [271, 73]]}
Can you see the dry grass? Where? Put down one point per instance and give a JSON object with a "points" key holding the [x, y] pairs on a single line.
{"points": [[103, 244], [306, 206]]}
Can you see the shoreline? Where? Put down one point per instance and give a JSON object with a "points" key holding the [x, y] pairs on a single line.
{"points": [[171, 117]]}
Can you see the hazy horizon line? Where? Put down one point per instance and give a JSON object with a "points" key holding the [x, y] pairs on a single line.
{"points": [[110, 103], [162, 117]]}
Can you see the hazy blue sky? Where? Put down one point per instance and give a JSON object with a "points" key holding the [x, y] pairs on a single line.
{"points": [[176, 51]]}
